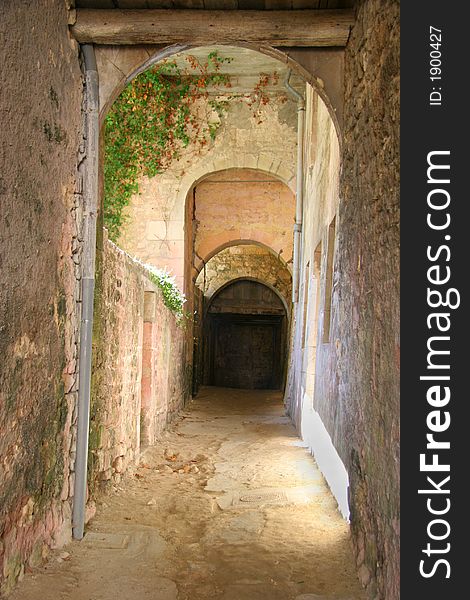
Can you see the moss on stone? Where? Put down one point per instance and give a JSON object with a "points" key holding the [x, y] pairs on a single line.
{"points": [[13, 568]]}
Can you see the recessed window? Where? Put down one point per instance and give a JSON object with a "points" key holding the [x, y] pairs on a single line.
{"points": [[329, 281], [313, 312], [306, 299]]}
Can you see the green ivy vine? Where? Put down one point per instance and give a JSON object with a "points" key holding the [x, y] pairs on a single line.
{"points": [[151, 122]]}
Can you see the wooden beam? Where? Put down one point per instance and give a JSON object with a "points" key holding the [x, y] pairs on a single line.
{"points": [[275, 28]]}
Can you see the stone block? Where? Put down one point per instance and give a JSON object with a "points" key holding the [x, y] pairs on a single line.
{"points": [[156, 230], [150, 305]]}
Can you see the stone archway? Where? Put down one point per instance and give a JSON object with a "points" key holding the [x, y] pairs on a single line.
{"points": [[237, 207], [322, 69], [250, 261], [239, 260], [157, 222]]}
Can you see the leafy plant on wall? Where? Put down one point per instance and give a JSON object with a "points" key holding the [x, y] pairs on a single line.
{"points": [[157, 116], [152, 121]]}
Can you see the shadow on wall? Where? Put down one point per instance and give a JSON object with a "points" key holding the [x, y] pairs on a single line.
{"points": [[139, 379]]}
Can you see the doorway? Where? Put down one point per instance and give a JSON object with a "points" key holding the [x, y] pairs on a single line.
{"points": [[245, 337]]}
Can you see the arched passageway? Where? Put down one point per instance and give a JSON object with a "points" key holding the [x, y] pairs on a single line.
{"points": [[242, 295], [343, 369], [237, 191]]}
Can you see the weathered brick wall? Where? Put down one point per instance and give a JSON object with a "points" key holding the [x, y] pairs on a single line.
{"points": [[122, 317], [40, 105], [250, 261], [367, 430]]}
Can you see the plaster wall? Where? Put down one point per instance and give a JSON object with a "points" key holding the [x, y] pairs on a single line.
{"points": [[242, 204], [312, 382]]}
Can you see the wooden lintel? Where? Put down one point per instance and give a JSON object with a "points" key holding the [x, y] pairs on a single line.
{"points": [[300, 28]]}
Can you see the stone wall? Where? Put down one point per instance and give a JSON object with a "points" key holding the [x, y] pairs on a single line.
{"points": [[138, 377], [312, 390], [368, 292], [252, 262], [343, 389], [321, 199], [40, 112], [155, 217]]}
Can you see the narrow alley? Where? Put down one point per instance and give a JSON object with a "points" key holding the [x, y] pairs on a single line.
{"points": [[199, 300], [230, 506]]}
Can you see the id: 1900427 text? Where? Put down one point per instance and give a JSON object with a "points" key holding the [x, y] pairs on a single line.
{"points": [[435, 66]]}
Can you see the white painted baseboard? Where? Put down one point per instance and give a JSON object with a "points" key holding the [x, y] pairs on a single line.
{"points": [[319, 442]]}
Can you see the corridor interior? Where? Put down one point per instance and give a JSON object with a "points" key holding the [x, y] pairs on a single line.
{"points": [[199, 313], [230, 506]]}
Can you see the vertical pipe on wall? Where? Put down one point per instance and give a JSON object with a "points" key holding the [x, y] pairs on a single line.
{"points": [[90, 204], [299, 187]]}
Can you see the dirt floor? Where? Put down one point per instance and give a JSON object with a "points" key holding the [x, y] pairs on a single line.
{"points": [[229, 506]]}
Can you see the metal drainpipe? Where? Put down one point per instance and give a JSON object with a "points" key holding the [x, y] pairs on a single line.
{"points": [[299, 188], [90, 203]]}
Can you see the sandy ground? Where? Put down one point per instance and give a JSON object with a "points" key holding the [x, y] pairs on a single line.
{"points": [[229, 506]]}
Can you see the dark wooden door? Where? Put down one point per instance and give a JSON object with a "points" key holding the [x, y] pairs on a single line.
{"points": [[246, 352]]}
